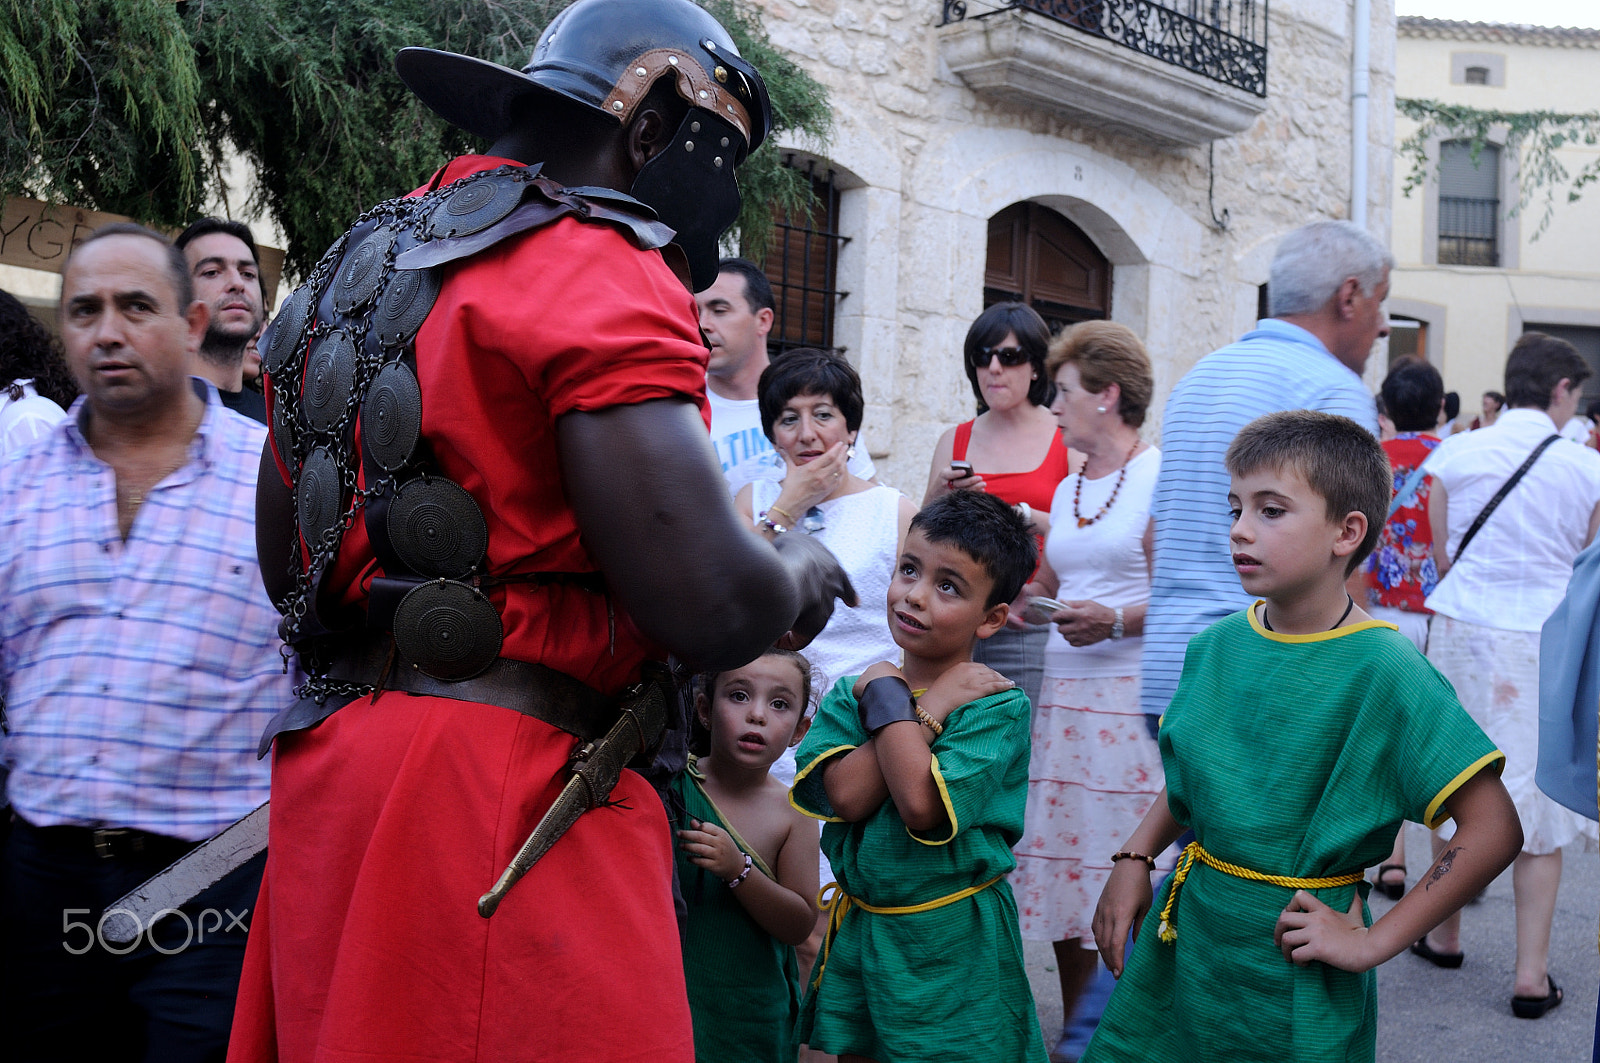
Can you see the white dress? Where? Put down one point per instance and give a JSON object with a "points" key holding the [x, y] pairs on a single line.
{"points": [[1094, 770], [26, 419]]}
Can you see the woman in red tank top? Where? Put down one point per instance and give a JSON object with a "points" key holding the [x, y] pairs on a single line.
{"points": [[1012, 450]]}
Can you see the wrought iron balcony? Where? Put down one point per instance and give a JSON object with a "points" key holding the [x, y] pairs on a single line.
{"points": [[1224, 40], [1181, 71]]}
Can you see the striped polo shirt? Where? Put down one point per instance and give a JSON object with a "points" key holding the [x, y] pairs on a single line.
{"points": [[138, 675], [1278, 366]]}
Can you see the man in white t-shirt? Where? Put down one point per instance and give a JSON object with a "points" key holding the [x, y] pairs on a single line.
{"points": [[736, 315], [1493, 597]]}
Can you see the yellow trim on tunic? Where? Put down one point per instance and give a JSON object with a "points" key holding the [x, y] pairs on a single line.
{"points": [[698, 777], [1316, 636], [841, 902], [949, 809], [822, 757], [1194, 851], [1435, 813]]}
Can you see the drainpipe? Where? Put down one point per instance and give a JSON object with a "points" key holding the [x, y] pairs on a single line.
{"points": [[1360, 84]]}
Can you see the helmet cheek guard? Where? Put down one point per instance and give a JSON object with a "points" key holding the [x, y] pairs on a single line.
{"points": [[690, 185]]}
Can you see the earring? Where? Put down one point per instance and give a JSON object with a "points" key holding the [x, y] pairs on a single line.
{"points": [[1100, 409], [850, 452]]}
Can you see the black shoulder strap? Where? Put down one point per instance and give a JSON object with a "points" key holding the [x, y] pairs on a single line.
{"points": [[1505, 489]]}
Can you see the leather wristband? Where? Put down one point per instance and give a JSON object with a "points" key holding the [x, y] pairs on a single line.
{"points": [[887, 700]]}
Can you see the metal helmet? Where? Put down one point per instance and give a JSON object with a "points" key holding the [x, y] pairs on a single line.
{"points": [[606, 55]]}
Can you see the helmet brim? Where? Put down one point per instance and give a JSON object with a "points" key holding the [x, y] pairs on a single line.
{"points": [[471, 94]]}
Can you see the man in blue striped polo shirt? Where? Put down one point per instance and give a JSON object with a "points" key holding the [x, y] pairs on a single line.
{"points": [[138, 665], [1326, 291]]}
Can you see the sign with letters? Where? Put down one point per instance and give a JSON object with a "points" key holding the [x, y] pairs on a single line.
{"points": [[38, 235]]}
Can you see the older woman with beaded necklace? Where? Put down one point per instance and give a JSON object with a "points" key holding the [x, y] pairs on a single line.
{"points": [[1095, 767]]}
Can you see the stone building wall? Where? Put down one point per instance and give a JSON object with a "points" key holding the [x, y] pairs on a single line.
{"points": [[924, 162]]}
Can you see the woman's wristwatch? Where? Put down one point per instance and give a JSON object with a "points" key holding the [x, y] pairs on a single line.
{"points": [[1117, 625]]}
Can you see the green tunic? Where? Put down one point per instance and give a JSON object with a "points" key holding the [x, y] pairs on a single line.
{"points": [[1291, 755], [744, 988], [946, 984]]}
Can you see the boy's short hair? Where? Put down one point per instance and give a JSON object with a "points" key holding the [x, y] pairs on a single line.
{"points": [[1337, 458], [1538, 363], [1413, 395], [986, 530]]}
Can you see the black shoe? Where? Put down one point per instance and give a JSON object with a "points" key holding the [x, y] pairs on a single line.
{"points": [[1392, 890], [1447, 960], [1535, 1007]]}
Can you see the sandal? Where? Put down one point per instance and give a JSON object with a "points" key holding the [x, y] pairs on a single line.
{"points": [[1535, 1007], [1392, 890], [1448, 960]]}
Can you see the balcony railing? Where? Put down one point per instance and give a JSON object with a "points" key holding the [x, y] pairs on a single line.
{"points": [[1225, 40], [1468, 230]]}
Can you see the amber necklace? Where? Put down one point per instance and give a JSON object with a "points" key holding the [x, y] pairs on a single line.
{"points": [[1077, 492]]}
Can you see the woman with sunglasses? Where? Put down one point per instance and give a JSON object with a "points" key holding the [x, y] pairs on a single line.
{"points": [[1013, 450]]}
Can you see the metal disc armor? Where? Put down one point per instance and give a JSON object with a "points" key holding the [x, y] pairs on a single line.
{"points": [[340, 363]]}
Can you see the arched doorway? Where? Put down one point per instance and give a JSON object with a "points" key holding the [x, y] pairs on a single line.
{"points": [[1038, 257]]}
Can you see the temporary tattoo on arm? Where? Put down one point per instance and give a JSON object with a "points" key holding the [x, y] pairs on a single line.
{"points": [[1442, 868]]}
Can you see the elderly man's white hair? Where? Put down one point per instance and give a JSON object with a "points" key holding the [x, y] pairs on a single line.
{"points": [[1314, 260]]}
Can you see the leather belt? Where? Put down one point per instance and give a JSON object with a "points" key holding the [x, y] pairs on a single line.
{"points": [[521, 686], [108, 843]]}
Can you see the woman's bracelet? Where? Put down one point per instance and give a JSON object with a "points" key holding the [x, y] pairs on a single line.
{"points": [[927, 720], [1150, 861], [771, 525], [734, 883], [1117, 626], [788, 518]]}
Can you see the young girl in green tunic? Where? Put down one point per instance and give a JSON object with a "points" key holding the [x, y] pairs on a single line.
{"points": [[921, 775], [1303, 732], [747, 864]]}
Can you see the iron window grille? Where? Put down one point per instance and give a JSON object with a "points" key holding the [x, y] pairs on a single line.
{"points": [[1469, 205], [1224, 40], [802, 264]]}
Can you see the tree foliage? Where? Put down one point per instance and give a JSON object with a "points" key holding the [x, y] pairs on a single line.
{"points": [[1536, 137], [134, 106]]}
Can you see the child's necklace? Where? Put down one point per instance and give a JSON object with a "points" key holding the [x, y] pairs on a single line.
{"points": [[1077, 492], [1268, 624]]}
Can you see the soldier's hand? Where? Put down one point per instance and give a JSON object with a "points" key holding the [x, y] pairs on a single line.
{"points": [[820, 580]]}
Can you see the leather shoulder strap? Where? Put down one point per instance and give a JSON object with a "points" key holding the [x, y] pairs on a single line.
{"points": [[1505, 489]]}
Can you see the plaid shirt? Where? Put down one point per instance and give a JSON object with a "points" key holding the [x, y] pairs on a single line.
{"points": [[136, 675]]}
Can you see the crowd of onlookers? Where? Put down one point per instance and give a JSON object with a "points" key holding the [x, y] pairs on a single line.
{"points": [[139, 655]]}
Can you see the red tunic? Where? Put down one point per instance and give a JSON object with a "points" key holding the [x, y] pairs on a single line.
{"points": [[391, 818]]}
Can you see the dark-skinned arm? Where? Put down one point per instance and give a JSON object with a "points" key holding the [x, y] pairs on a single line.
{"points": [[655, 514]]}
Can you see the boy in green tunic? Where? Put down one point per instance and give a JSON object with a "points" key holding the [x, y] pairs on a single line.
{"points": [[922, 791], [747, 863], [1303, 732]]}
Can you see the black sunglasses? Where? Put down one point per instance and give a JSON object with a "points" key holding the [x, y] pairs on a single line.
{"points": [[1009, 356]]}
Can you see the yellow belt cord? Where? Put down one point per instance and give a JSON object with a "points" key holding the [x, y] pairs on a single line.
{"points": [[1193, 852], [840, 902]]}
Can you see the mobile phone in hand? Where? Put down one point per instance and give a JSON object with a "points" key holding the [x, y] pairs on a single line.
{"points": [[963, 469]]}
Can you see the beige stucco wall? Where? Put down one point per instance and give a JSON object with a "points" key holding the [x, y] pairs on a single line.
{"points": [[925, 163], [1475, 313]]}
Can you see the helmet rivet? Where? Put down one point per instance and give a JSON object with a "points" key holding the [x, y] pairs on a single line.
{"points": [[717, 160], [641, 71], [616, 105], [731, 110], [724, 141], [688, 145], [722, 73], [694, 127], [672, 59], [711, 46], [704, 94]]}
